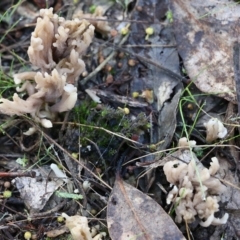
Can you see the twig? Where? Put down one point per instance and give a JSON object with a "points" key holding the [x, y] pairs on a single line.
{"points": [[53, 210], [119, 99], [18, 44], [150, 45], [31, 174], [80, 187]]}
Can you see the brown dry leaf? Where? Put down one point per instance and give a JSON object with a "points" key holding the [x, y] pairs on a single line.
{"points": [[205, 33], [132, 214]]}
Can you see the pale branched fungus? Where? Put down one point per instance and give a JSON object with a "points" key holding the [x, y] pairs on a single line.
{"points": [[191, 198], [96, 19], [59, 173], [184, 143], [56, 49], [78, 226], [215, 129]]}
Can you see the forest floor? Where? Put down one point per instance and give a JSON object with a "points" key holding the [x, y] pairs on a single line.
{"points": [[158, 88]]}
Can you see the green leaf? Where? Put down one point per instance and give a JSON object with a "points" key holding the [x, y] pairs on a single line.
{"points": [[22, 161], [69, 195]]}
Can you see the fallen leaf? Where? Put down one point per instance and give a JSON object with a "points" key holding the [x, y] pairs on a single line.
{"points": [[132, 214], [35, 193], [205, 32], [69, 195]]}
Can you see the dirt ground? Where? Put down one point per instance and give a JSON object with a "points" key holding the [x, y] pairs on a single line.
{"points": [[152, 83]]}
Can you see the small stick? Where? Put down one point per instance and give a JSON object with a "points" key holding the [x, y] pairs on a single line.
{"points": [[31, 174], [51, 211]]}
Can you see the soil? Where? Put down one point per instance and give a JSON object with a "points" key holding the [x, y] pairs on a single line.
{"points": [[147, 103]]}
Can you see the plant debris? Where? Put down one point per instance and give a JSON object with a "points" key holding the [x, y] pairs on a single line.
{"points": [[104, 131]]}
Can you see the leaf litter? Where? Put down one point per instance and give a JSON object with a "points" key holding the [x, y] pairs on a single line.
{"points": [[205, 35], [129, 75]]}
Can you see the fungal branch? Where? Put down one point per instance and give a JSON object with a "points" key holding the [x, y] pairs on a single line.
{"points": [[56, 50]]}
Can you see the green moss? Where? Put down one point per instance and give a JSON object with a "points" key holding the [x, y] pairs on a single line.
{"points": [[92, 8], [108, 118]]}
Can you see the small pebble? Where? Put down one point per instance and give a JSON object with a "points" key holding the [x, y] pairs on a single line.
{"points": [[85, 73], [108, 68], [190, 106], [7, 184], [119, 64], [109, 79], [121, 55], [132, 62], [139, 8], [93, 211]]}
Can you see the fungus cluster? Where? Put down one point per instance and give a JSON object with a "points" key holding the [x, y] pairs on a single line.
{"points": [[215, 129], [79, 229], [56, 49], [194, 195]]}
